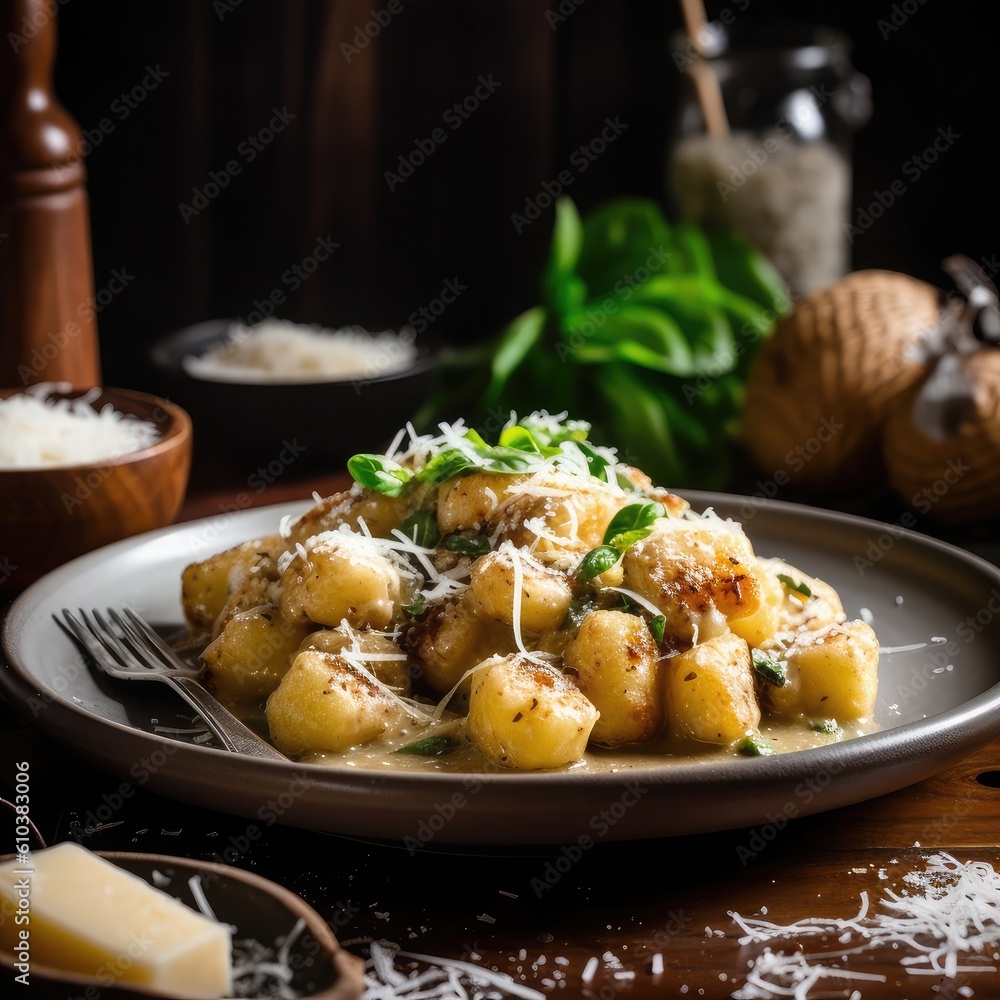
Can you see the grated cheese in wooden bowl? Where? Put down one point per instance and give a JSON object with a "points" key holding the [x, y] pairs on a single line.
{"points": [[38, 429], [280, 351]]}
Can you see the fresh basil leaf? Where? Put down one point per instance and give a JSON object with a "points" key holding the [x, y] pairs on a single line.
{"points": [[478, 545], [635, 515], [445, 465], [755, 746], [622, 239], [417, 609], [657, 625], [639, 424], [600, 467], [421, 528], [597, 561], [376, 472], [767, 666], [622, 542], [431, 746], [797, 585], [516, 342], [747, 272], [692, 244], [519, 438]]}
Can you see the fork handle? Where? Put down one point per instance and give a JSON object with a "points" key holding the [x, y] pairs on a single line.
{"points": [[232, 733]]}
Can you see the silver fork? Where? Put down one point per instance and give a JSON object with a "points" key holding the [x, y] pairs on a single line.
{"points": [[134, 652]]}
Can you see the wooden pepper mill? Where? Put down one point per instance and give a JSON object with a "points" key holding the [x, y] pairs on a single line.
{"points": [[47, 328]]}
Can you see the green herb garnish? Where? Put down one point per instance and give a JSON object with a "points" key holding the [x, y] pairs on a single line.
{"points": [[477, 545], [657, 624], [632, 523], [829, 726], [755, 746], [376, 472], [797, 585], [431, 746], [417, 608], [768, 667], [421, 528], [597, 561]]}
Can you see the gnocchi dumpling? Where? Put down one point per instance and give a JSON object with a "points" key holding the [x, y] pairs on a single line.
{"points": [[325, 703], [525, 715], [340, 576], [710, 691], [614, 661]]}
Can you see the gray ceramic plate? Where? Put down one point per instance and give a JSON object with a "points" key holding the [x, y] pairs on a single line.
{"points": [[937, 702]]}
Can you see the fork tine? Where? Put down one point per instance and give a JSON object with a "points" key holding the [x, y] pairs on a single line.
{"points": [[83, 635], [133, 642], [111, 642], [147, 632]]}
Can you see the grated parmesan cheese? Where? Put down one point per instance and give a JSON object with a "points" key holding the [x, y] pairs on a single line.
{"points": [[38, 430], [280, 351], [441, 979], [957, 916]]}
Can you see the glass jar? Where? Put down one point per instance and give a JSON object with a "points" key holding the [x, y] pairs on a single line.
{"points": [[782, 176]]}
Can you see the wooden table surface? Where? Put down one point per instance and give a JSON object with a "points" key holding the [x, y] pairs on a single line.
{"points": [[544, 917]]}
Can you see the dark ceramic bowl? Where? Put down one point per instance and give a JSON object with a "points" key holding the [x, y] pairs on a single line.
{"points": [[257, 908], [312, 422]]}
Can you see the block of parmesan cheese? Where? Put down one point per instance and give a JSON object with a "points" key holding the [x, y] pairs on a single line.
{"points": [[82, 914]]}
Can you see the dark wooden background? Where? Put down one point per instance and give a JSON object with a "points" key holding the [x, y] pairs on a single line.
{"points": [[230, 63]]}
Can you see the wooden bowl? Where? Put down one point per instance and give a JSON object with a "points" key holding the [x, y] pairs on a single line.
{"points": [[51, 514], [258, 908]]}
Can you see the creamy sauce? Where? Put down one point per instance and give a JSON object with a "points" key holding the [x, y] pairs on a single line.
{"points": [[783, 736]]}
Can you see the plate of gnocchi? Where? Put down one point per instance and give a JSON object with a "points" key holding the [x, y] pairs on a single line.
{"points": [[525, 641]]}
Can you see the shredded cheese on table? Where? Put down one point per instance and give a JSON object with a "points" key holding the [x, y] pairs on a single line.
{"points": [[951, 928], [442, 979]]}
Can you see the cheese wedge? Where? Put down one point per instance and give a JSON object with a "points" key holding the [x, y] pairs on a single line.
{"points": [[72, 910]]}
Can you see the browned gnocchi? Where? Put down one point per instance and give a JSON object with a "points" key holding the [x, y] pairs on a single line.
{"points": [[531, 602]]}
